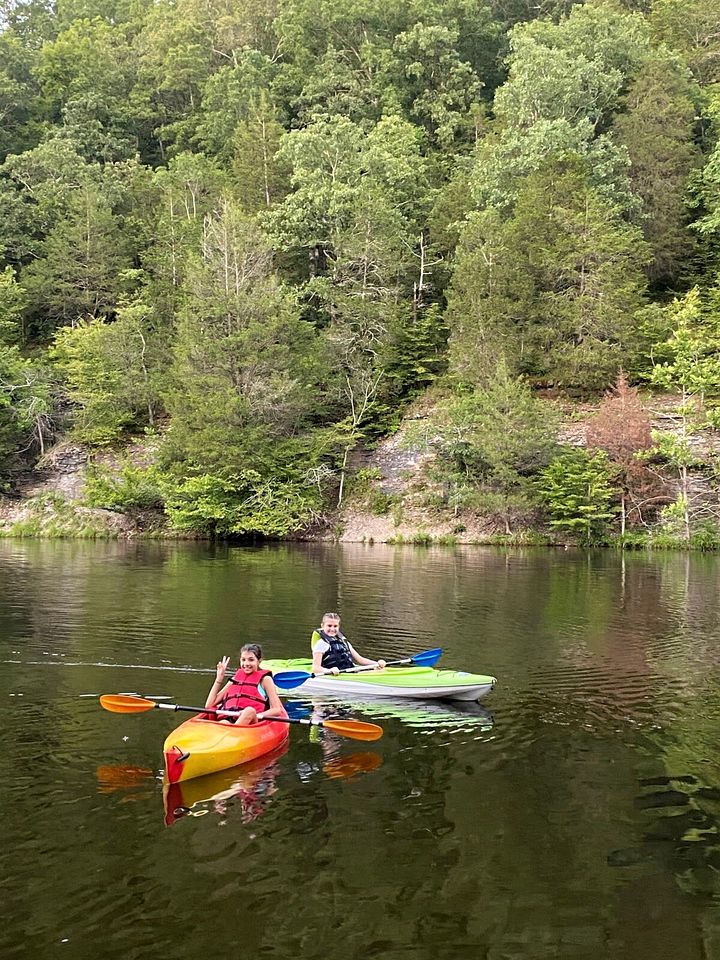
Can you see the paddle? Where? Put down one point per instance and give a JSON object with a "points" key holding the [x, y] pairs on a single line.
{"points": [[293, 678], [356, 729]]}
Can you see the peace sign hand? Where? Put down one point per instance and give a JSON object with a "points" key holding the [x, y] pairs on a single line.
{"points": [[221, 668]]}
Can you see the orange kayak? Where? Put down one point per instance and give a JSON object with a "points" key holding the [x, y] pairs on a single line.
{"points": [[201, 746]]}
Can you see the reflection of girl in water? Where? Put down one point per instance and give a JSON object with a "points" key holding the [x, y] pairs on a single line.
{"points": [[253, 785], [254, 801]]}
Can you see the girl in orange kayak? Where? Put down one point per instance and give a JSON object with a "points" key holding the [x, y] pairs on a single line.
{"points": [[251, 690]]}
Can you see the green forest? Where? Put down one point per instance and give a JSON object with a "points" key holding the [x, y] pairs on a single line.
{"points": [[255, 233]]}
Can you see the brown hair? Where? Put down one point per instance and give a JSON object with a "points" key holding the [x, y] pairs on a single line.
{"points": [[252, 648]]}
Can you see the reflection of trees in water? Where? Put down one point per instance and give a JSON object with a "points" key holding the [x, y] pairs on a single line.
{"points": [[684, 826], [681, 835]]}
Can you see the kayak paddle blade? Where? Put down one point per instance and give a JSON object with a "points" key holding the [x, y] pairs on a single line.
{"points": [[290, 678], [119, 703], [355, 729], [427, 659]]}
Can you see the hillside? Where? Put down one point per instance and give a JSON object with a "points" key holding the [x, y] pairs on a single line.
{"points": [[255, 236], [392, 494]]}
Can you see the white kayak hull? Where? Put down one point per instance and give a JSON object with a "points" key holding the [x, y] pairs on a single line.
{"points": [[406, 682], [319, 686]]}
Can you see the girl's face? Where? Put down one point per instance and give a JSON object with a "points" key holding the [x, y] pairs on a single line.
{"points": [[249, 662]]}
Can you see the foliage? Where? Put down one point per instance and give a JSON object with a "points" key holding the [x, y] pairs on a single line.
{"points": [[52, 517], [238, 505], [657, 128], [552, 290], [577, 491], [622, 429], [25, 388], [489, 444], [110, 374], [692, 368], [261, 229], [130, 487]]}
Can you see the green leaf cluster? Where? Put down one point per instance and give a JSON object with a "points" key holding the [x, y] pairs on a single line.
{"points": [[577, 492]]}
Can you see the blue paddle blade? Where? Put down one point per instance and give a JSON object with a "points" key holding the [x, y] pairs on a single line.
{"points": [[427, 659], [290, 678], [296, 710]]}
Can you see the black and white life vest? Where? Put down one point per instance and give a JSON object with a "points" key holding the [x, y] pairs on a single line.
{"points": [[339, 653]]}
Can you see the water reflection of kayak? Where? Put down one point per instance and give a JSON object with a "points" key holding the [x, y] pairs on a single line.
{"points": [[251, 785], [201, 746], [424, 683], [431, 715]]}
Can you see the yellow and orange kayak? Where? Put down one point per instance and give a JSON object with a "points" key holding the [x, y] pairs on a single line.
{"points": [[201, 746]]}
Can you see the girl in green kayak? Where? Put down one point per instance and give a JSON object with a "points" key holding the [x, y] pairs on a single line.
{"points": [[251, 691], [332, 652]]}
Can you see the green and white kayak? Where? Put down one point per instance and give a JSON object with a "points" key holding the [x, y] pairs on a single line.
{"points": [[421, 683]]}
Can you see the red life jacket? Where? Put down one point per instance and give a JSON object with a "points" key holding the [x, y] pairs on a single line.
{"points": [[243, 692]]}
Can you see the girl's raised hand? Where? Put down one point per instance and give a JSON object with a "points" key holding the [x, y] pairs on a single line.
{"points": [[221, 668]]}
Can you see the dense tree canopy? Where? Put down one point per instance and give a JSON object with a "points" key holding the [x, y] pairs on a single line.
{"points": [[259, 229]]}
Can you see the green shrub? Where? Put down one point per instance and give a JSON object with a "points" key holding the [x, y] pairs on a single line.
{"points": [[446, 540], [133, 487], [632, 540], [577, 491], [706, 537], [360, 483], [379, 503]]}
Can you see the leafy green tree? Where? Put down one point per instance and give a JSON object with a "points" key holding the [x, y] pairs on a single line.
{"points": [[86, 75], [442, 89], [706, 187], [25, 391], [81, 270], [25, 407], [230, 97], [12, 303], [553, 289], [243, 360], [658, 128], [692, 369], [175, 59], [185, 192], [20, 125], [355, 216], [490, 443], [577, 491], [344, 83], [565, 82], [112, 374], [239, 125], [690, 26]]}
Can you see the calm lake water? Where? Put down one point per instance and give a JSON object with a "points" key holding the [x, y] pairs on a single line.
{"points": [[575, 815]]}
